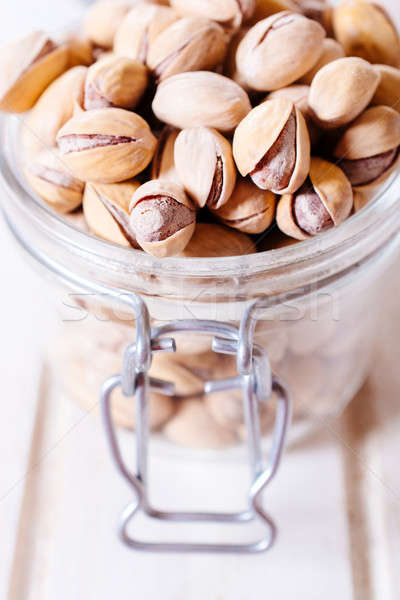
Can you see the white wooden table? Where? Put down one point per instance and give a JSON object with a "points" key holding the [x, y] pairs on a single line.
{"points": [[336, 499]]}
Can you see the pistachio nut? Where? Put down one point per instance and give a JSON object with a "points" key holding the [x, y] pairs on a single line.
{"points": [[279, 50], [341, 90], [211, 241], [205, 166], [194, 427], [331, 50], [106, 209], [141, 26], [365, 29], [299, 95], [163, 166], [369, 149], [80, 50], [323, 202], [388, 92], [318, 10], [249, 209], [162, 218], [54, 108], [230, 14], [272, 145], [201, 99], [115, 81], [27, 67], [190, 44], [172, 368], [106, 145], [266, 8], [51, 180], [102, 21]]}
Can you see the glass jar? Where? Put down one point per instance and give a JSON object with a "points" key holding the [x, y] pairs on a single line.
{"points": [[318, 331]]}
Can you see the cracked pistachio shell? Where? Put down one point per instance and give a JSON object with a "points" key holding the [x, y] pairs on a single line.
{"points": [[51, 180], [102, 21], [279, 50], [211, 240], [163, 166], [388, 92], [115, 81], [106, 145], [299, 95], [162, 217], [331, 51], [201, 99], [141, 26], [54, 108], [368, 150], [205, 166], [325, 201], [365, 29], [272, 145], [194, 427], [249, 209], [27, 68], [106, 210], [341, 90], [267, 8], [191, 44], [230, 14]]}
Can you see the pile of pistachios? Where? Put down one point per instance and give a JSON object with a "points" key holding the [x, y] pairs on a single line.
{"points": [[197, 127]]}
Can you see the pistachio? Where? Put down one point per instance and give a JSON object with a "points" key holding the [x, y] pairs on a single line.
{"points": [[51, 180], [190, 44], [323, 202], [364, 29], [163, 166], [80, 50], [141, 26], [106, 209], [272, 145], [211, 240], [388, 92], [279, 50], [266, 8], [318, 10], [299, 94], [205, 166], [27, 67], [173, 368], [102, 21], [115, 81], [162, 218], [201, 99], [54, 108], [331, 51], [369, 149], [194, 427], [341, 90], [249, 209], [106, 145], [230, 14]]}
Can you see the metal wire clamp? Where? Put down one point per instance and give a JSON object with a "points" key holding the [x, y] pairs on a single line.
{"points": [[257, 384]]}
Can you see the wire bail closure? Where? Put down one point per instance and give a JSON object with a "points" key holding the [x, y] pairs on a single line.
{"points": [[257, 384]]}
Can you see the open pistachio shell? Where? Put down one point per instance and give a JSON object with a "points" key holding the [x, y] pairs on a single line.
{"points": [[341, 90], [279, 50], [102, 21], [388, 92], [51, 180], [27, 67], [230, 14], [212, 240], [162, 218], [115, 81], [106, 145], [249, 209], [323, 202], [140, 27], [106, 209], [205, 166], [299, 94], [201, 99], [365, 29], [272, 144], [331, 50], [54, 108], [191, 44], [163, 166]]}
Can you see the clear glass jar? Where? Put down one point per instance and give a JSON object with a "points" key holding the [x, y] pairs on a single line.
{"points": [[319, 345]]}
